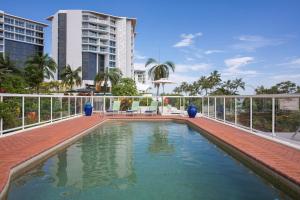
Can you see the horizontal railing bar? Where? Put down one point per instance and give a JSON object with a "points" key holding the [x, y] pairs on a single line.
{"points": [[95, 96]]}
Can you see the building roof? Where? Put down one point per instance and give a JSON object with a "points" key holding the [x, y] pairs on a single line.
{"points": [[25, 19], [97, 13]]}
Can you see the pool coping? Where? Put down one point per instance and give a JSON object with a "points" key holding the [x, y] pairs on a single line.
{"points": [[277, 178]]}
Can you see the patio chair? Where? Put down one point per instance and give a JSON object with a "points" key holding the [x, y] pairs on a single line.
{"points": [[135, 108], [115, 108], [152, 109]]}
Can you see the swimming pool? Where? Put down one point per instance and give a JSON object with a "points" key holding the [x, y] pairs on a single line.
{"points": [[142, 160]]}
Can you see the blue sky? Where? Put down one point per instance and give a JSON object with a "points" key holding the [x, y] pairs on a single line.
{"points": [[258, 40]]}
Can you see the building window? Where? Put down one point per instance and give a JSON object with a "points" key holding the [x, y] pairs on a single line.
{"points": [[85, 33], [38, 28], [30, 39], [9, 20], [85, 47], [37, 34], [20, 37], [112, 50], [29, 32], [29, 25], [39, 41], [19, 30], [92, 48], [9, 35], [85, 40], [19, 23], [85, 17], [112, 64], [112, 57], [92, 40], [112, 43], [9, 28]]}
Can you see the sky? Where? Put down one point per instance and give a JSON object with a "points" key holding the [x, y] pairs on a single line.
{"points": [[257, 40]]}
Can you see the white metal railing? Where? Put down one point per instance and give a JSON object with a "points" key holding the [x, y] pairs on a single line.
{"points": [[272, 115]]}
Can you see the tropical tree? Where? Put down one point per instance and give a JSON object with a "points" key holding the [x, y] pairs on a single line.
{"points": [[159, 70], [125, 87], [113, 75], [71, 77], [7, 67], [38, 68]]}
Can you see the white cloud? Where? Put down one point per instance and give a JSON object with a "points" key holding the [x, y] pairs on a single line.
{"points": [[139, 66], [187, 40], [234, 66], [293, 63], [192, 67], [253, 42], [138, 56], [286, 77], [212, 51]]}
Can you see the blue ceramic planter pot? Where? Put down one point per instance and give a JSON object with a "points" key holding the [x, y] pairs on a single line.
{"points": [[88, 109], [192, 111]]}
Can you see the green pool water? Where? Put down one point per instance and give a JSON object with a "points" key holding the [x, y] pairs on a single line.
{"points": [[142, 160]]}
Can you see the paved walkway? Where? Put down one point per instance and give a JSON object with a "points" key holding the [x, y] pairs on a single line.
{"points": [[20, 147]]}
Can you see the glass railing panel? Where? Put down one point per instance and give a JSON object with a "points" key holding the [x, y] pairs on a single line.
{"points": [[31, 114], [56, 108], [230, 110], [262, 114], [212, 107], [243, 111], [45, 110], [98, 104], [287, 118], [78, 105], [220, 108], [205, 106], [72, 106], [172, 105], [65, 106], [13, 112], [196, 101]]}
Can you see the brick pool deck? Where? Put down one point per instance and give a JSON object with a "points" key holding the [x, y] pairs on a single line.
{"points": [[20, 147]]}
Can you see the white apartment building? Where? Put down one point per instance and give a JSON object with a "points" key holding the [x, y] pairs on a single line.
{"points": [[20, 38], [94, 41], [140, 81]]}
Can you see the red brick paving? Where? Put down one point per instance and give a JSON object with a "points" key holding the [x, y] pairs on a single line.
{"points": [[20, 147]]}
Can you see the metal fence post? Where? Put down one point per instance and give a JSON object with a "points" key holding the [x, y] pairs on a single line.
{"points": [[235, 111], [23, 112], [61, 107], [273, 116], [104, 104], [69, 106], [162, 104], [215, 107], [75, 108], [224, 109], [251, 110], [208, 106], [39, 107], [81, 108], [51, 109], [1, 120]]}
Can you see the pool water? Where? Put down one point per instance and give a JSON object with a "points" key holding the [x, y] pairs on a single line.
{"points": [[142, 160]]}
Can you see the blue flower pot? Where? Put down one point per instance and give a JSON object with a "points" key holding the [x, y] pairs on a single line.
{"points": [[192, 111], [88, 109]]}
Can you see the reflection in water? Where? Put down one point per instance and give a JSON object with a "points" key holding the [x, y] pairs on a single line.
{"points": [[141, 160], [61, 173], [159, 142]]}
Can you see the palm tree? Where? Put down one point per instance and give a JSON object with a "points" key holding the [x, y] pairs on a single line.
{"points": [[7, 66], [159, 70], [214, 79], [113, 75], [71, 77], [38, 68]]}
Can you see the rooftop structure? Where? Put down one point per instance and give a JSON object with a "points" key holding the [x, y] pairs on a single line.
{"points": [[92, 40], [20, 38]]}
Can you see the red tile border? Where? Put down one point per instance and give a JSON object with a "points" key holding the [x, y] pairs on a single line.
{"points": [[18, 148]]}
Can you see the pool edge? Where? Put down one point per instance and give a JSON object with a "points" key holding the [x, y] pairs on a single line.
{"points": [[280, 181]]}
